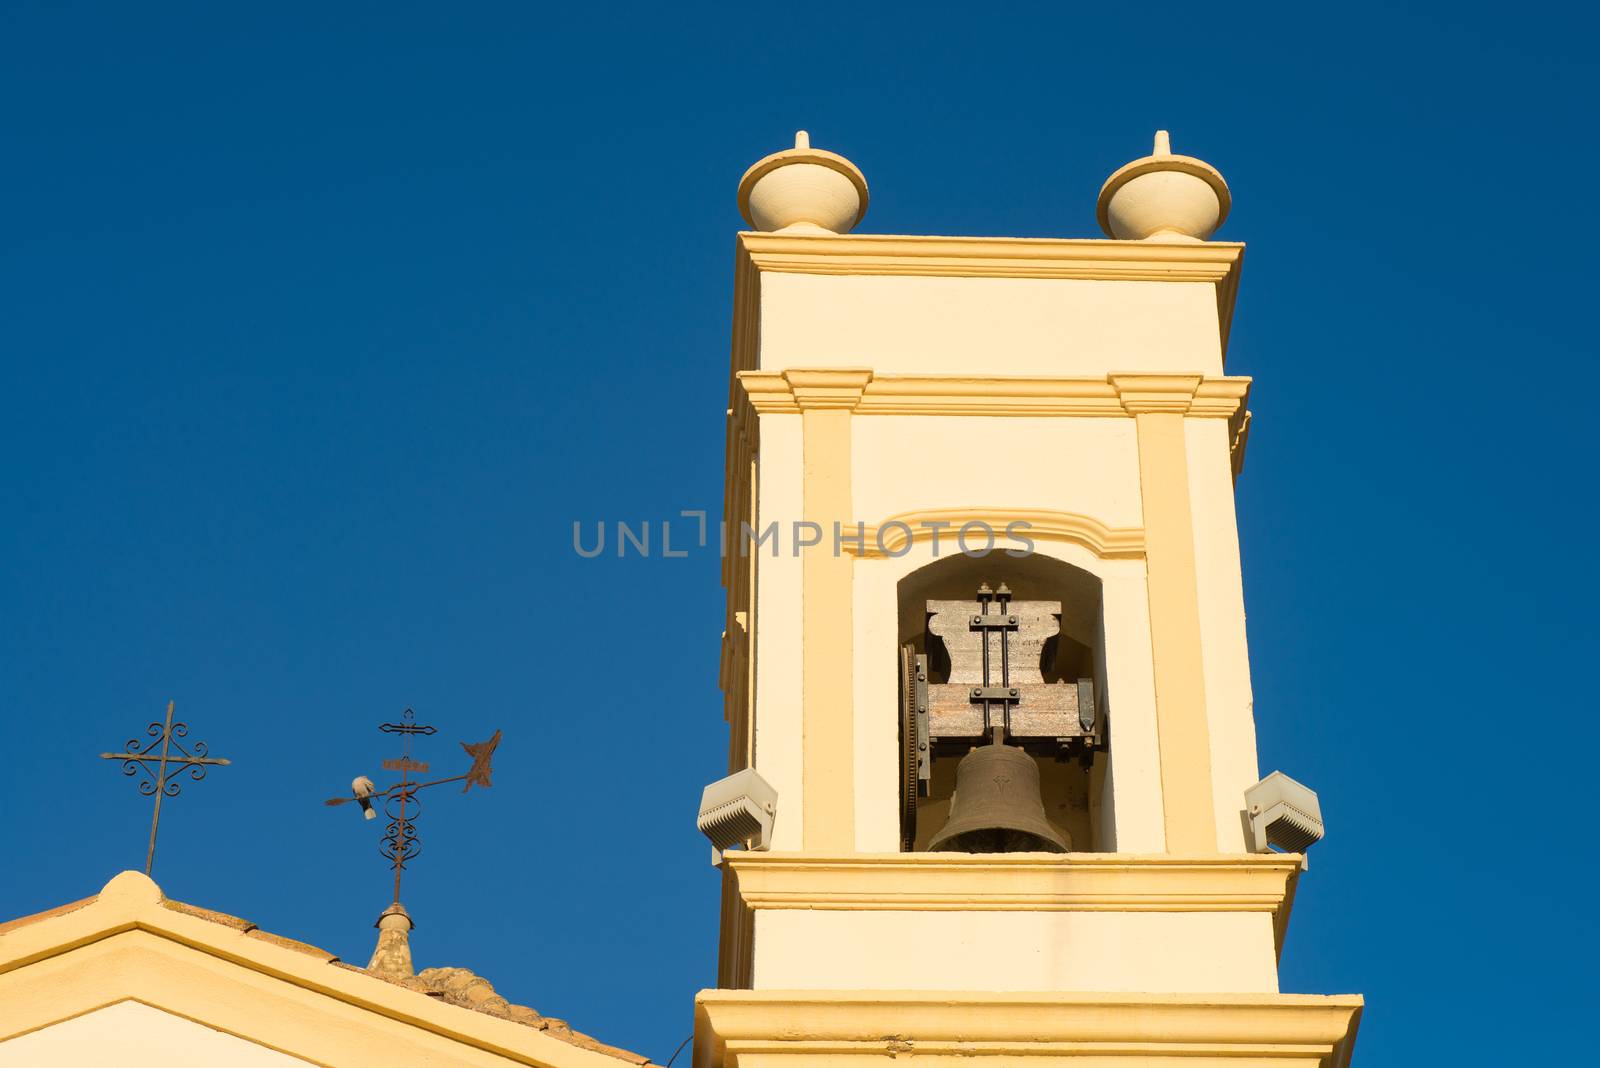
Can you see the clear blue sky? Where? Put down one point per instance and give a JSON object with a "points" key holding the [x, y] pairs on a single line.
{"points": [[321, 323]]}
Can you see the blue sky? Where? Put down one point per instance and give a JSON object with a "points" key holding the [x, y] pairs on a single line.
{"points": [[322, 323]]}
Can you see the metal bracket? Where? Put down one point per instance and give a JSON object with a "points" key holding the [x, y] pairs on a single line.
{"points": [[924, 743], [1086, 706], [995, 622]]}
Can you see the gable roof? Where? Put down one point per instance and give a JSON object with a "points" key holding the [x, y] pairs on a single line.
{"points": [[131, 943]]}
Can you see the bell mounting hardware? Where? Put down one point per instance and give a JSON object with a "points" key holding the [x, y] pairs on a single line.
{"points": [[994, 691]]}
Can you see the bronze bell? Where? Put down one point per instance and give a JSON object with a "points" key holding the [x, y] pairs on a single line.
{"points": [[997, 807]]}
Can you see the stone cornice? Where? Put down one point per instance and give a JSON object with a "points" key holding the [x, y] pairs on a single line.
{"points": [[866, 393], [958, 1028]]}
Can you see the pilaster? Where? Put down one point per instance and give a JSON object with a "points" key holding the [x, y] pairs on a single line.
{"points": [[825, 399], [1159, 404]]}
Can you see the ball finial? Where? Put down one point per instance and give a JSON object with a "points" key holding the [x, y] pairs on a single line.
{"points": [[1163, 197], [803, 190]]}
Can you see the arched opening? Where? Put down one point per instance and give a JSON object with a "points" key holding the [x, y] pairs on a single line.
{"points": [[1002, 649]]}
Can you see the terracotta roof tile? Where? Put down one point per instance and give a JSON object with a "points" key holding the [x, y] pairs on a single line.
{"points": [[468, 990], [289, 943], [59, 910], [209, 915], [245, 927]]}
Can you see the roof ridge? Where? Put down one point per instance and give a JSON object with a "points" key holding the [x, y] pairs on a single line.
{"points": [[460, 987]]}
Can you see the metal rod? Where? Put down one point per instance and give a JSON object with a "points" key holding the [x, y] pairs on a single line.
{"points": [[1003, 595], [400, 848], [161, 789], [983, 610], [422, 785], [405, 795], [385, 793], [214, 761]]}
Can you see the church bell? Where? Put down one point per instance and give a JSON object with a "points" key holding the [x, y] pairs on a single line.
{"points": [[997, 807]]}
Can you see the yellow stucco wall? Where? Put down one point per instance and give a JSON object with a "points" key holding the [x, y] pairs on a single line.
{"points": [[1013, 950], [779, 690], [1220, 595], [891, 396], [959, 325], [129, 1034]]}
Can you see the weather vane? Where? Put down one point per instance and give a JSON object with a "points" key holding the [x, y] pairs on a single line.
{"points": [[169, 766], [400, 843]]}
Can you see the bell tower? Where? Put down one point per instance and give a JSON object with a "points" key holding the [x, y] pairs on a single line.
{"points": [[986, 640]]}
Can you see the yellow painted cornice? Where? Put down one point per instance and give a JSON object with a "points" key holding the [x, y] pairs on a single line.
{"points": [[956, 1028], [864, 392], [993, 257], [1156, 393], [819, 388], [1071, 882], [961, 882], [1180, 394], [1217, 263], [920, 526]]}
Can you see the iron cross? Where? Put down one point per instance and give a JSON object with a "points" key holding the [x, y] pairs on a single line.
{"points": [[163, 781]]}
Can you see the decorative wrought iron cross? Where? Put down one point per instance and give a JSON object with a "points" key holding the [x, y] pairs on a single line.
{"points": [[400, 843], [169, 766]]}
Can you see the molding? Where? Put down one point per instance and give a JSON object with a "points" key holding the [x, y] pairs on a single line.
{"points": [[855, 1029], [1239, 425], [746, 338], [984, 395], [993, 257], [1012, 882], [1220, 397], [827, 389], [1142, 394], [1117, 395], [1015, 882], [1044, 524], [1215, 262]]}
